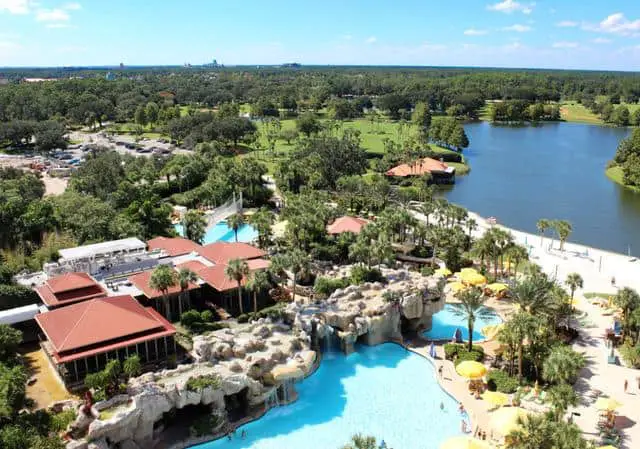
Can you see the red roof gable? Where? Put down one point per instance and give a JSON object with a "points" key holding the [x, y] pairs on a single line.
{"points": [[100, 321], [347, 224], [69, 288], [420, 167], [222, 252], [193, 265], [216, 277], [141, 282], [174, 246]]}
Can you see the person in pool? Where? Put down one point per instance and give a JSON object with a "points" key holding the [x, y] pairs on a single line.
{"points": [[461, 408]]}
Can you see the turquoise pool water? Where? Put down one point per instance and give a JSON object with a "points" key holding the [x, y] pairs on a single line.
{"points": [[446, 322], [383, 391], [222, 232]]}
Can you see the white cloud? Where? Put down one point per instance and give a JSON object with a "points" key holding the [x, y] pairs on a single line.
{"points": [[72, 6], [14, 6], [371, 40], [59, 25], [474, 32], [509, 6], [518, 28], [567, 24], [564, 44], [601, 40], [52, 15], [616, 24]]}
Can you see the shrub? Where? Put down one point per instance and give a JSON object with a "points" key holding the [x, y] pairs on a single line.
{"points": [[630, 354], [244, 318], [199, 383], [325, 286], [360, 275], [427, 270], [498, 380], [206, 316], [451, 350], [60, 421], [189, 318], [203, 425]]}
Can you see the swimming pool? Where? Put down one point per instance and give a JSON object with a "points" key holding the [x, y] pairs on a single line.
{"points": [[223, 233], [446, 322], [383, 391]]}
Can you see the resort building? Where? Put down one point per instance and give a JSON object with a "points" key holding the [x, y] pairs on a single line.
{"points": [[173, 246], [347, 224], [221, 253], [440, 172], [83, 337], [69, 288], [177, 300]]}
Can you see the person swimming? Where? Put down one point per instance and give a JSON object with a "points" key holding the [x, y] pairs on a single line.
{"points": [[442, 406]]}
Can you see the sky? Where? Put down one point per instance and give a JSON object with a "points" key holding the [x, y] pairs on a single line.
{"points": [[563, 34]]}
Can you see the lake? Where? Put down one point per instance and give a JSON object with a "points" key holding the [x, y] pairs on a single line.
{"points": [[555, 171]]}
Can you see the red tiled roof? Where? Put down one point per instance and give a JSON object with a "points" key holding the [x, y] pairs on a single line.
{"points": [[193, 265], [174, 246], [141, 282], [69, 288], [216, 277], [222, 252], [420, 167], [346, 224], [96, 325]]}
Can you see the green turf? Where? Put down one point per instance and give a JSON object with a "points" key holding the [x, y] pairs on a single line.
{"points": [[616, 175], [576, 113]]}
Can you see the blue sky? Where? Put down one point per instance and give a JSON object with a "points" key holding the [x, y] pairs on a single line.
{"points": [[588, 34]]}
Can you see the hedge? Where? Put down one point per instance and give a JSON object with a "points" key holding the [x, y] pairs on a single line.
{"points": [[498, 380]]}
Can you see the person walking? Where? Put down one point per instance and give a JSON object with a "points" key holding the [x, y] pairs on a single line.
{"points": [[626, 385]]}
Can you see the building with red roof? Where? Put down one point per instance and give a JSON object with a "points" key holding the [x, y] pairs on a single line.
{"points": [[173, 246], [83, 337], [152, 297], [222, 252], [69, 288], [440, 171], [347, 224]]}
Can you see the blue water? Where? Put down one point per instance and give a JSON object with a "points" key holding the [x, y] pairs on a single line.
{"points": [[383, 391], [446, 322], [222, 232]]}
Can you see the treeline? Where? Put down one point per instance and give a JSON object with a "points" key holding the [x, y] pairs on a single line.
{"points": [[611, 111], [200, 127], [515, 111], [44, 136], [628, 159], [448, 133]]}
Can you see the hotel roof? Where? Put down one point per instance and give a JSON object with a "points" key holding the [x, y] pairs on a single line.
{"points": [[215, 276], [101, 324], [69, 288], [347, 224], [98, 249], [222, 252], [141, 282], [173, 246]]}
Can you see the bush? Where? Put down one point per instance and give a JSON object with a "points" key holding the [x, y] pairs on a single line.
{"points": [[16, 296], [189, 318], [422, 251], [325, 286], [498, 380], [361, 274], [203, 425], [630, 354], [199, 383], [60, 421], [206, 316], [427, 270], [244, 318], [460, 350]]}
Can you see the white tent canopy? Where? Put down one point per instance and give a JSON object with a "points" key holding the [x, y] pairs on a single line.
{"points": [[19, 314]]}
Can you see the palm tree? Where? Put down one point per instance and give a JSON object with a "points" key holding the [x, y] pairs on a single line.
{"points": [[563, 228], [516, 254], [470, 307], [361, 442], [258, 281], [236, 270], [235, 222], [194, 226], [542, 225], [472, 225], [262, 221], [533, 294], [298, 262], [574, 281], [543, 432], [508, 338], [185, 277], [132, 366], [162, 279], [561, 397], [562, 365], [522, 325], [482, 248], [628, 300]]}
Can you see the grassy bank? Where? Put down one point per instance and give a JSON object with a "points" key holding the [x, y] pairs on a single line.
{"points": [[577, 113], [615, 174]]}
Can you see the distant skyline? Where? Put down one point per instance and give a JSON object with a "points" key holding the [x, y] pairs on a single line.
{"points": [[566, 34]]}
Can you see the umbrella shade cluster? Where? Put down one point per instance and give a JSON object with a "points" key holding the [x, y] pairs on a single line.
{"points": [[471, 369], [465, 442], [456, 286], [608, 404], [471, 276], [507, 419], [443, 272], [496, 398], [497, 287]]}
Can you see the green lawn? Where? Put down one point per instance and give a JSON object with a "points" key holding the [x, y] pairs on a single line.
{"points": [[575, 112], [615, 174], [591, 295]]}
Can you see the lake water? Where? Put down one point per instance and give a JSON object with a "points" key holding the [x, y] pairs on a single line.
{"points": [[555, 171]]}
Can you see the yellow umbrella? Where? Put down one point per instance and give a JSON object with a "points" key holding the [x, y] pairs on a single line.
{"points": [[464, 442], [469, 271], [607, 447], [490, 331], [495, 398], [471, 369], [607, 404], [443, 272], [497, 287], [506, 419], [457, 286]]}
